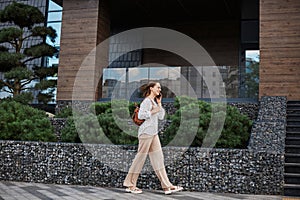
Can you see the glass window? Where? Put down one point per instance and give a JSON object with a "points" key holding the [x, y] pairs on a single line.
{"points": [[114, 83], [57, 28], [252, 74], [54, 16], [124, 83], [54, 6], [54, 20], [138, 74]]}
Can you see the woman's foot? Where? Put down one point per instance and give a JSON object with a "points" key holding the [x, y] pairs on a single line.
{"points": [[133, 190], [173, 189]]}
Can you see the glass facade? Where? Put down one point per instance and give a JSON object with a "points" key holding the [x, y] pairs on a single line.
{"points": [[249, 49], [123, 83], [239, 78], [54, 20]]}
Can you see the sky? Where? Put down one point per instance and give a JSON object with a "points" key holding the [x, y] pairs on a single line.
{"points": [[253, 54]]}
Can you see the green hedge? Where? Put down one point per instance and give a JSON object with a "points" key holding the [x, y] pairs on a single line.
{"points": [[235, 133], [65, 113], [91, 129], [22, 122], [110, 121]]}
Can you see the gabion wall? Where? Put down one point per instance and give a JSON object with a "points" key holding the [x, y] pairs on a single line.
{"points": [[207, 170], [268, 131]]}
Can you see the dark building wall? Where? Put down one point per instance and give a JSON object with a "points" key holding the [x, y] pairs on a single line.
{"points": [[219, 38], [103, 32], [280, 48]]}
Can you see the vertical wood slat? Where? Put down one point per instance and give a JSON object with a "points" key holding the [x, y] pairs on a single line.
{"points": [[84, 25], [279, 48]]}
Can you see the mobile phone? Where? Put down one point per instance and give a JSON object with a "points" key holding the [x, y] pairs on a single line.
{"points": [[158, 96]]}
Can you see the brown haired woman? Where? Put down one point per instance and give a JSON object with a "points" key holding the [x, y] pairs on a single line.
{"points": [[149, 143]]}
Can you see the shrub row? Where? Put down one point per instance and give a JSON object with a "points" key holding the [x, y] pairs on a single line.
{"points": [[191, 120], [110, 122], [22, 122]]}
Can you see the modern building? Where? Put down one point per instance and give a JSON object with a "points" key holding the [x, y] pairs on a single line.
{"points": [[249, 49], [234, 33], [229, 31]]}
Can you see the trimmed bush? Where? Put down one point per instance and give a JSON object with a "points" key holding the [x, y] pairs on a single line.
{"points": [[235, 133], [112, 123], [69, 133], [22, 122], [105, 107], [65, 113], [100, 107]]}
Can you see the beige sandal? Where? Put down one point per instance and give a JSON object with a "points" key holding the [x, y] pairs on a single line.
{"points": [[173, 189], [134, 190]]}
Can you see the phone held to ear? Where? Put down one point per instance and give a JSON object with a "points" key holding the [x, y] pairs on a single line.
{"points": [[158, 96]]}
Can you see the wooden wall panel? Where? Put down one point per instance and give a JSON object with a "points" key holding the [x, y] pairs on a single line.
{"points": [[280, 48], [82, 25]]}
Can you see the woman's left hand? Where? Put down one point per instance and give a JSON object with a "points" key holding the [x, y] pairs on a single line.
{"points": [[158, 100]]}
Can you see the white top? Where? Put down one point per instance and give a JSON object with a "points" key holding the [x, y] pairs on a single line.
{"points": [[150, 125]]}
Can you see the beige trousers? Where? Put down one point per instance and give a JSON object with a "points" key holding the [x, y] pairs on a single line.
{"points": [[148, 144]]}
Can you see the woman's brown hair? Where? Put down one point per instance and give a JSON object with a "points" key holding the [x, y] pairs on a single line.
{"points": [[145, 89]]}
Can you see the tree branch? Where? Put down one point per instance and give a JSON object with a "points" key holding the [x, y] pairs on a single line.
{"points": [[11, 91], [13, 44], [29, 59], [28, 81], [28, 88], [7, 84], [27, 37]]}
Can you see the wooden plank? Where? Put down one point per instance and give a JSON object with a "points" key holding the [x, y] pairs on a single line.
{"points": [[271, 78], [284, 52], [284, 71], [79, 4], [285, 42], [280, 48], [291, 91], [289, 65], [74, 14]]}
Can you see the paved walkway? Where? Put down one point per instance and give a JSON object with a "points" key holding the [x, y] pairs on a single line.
{"points": [[37, 191]]}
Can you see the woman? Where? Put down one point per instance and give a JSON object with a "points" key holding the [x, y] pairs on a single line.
{"points": [[151, 110]]}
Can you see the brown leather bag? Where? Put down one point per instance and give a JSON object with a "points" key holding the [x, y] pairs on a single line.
{"points": [[135, 118]]}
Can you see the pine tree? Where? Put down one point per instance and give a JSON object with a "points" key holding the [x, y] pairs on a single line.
{"points": [[27, 23]]}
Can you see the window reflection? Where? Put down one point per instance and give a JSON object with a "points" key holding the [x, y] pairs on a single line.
{"points": [[201, 81], [114, 83]]}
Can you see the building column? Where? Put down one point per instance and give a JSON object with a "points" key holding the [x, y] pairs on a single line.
{"points": [[85, 24], [279, 48]]}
